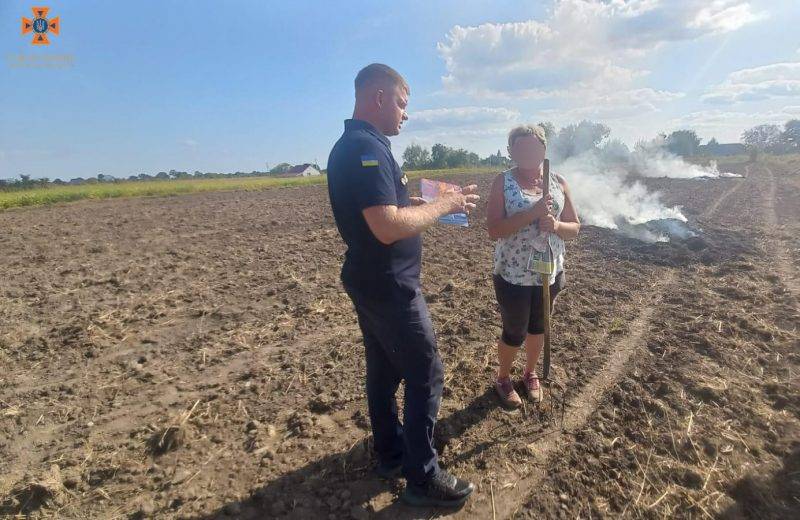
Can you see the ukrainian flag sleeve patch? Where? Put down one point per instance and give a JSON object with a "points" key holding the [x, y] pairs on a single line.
{"points": [[369, 160]]}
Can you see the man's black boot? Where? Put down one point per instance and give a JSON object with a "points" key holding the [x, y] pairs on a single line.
{"points": [[441, 490]]}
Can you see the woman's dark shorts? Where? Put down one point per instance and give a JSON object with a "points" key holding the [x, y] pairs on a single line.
{"points": [[521, 308]]}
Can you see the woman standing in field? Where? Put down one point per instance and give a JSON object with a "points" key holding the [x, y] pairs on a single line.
{"points": [[524, 223]]}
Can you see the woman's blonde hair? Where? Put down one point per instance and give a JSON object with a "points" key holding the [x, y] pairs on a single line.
{"points": [[525, 130]]}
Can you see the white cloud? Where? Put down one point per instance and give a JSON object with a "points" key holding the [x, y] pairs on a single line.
{"points": [[470, 116], [775, 71], [728, 125], [584, 47], [585, 59], [189, 142], [777, 80], [724, 16], [524, 59], [615, 106]]}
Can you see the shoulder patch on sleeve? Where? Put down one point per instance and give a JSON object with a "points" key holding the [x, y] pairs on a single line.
{"points": [[369, 160]]}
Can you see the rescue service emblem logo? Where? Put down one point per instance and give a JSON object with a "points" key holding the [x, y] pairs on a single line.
{"points": [[40, 25]]}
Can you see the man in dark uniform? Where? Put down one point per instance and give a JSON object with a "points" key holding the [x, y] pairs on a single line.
{"points": [[381, 226]]}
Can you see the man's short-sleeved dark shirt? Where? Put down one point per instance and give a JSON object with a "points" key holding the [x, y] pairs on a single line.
{"points": [[363, 173]]}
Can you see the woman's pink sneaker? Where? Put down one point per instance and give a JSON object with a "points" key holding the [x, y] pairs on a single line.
{"points": [[533, 391], [505, 390]]}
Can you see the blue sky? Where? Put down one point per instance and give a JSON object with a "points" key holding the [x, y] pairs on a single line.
{"points": [[234, 86]]}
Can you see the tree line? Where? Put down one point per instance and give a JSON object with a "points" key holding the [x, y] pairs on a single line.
{"points": [[441, 157], [24, 182], [772, 138]]}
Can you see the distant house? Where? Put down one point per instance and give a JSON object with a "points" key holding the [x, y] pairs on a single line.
{"points": [[302, 170]]}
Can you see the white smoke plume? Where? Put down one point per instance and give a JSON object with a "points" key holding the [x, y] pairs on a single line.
{"points": [[605, 197], [602, 175], [652, 159]]}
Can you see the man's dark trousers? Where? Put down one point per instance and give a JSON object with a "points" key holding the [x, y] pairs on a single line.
{"points": [[400, 345]]}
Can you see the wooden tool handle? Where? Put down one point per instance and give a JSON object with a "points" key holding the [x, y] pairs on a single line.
{"points": [[546, 178], [546, 282]]}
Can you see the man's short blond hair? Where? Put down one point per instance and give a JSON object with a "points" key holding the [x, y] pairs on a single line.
{"points": [[381, 75], [525, 130]]}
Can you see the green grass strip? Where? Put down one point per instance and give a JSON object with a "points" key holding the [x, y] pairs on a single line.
{"points": [[163, 188]]}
